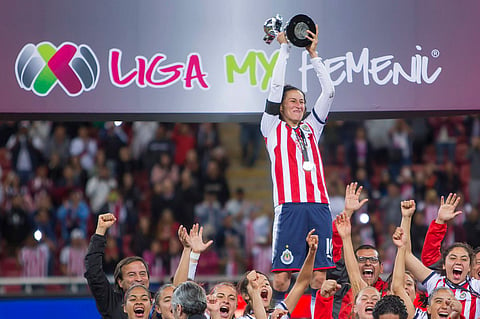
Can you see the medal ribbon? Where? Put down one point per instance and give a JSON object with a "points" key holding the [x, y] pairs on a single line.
{"points": [[302, 140]]}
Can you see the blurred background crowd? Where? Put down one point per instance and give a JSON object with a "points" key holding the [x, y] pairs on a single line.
{"points": [[56, 177]]}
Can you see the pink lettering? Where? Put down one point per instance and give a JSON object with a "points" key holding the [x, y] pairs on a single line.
{"points": [[115, 70], [175, 69], [194, 72], [145, 71]]}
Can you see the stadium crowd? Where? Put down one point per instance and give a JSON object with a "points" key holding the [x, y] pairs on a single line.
{"points": [[56, 177]]}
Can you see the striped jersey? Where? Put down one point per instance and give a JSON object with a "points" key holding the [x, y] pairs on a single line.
{"points": [[467, 293], [34, 260], [291, 182]]}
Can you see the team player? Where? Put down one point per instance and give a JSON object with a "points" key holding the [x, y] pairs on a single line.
{"points": [[457, 261], [299, 192]]}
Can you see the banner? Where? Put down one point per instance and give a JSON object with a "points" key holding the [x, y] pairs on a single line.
{"points": [[186, 60]]}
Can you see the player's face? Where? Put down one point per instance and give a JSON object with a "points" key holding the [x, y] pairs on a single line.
{"points": [[457, 265], [439, 306], [138, 303], [410, 287], [366, 301], [227, 299], [133, 273], [476, 267], [369, 265], [293, 107], [164, 303]]}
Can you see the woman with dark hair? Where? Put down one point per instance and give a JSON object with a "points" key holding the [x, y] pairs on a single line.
{"points": [[137, 302]]}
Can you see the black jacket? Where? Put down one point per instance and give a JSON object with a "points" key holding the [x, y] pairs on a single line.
{"points": [[109, 302]]}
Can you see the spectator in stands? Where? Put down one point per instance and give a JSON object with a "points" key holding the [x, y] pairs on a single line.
{"points": [[25, 157], [214, 181], [59, 144], [125, 163], [250, 139], [16, 225], [188, 196], [98, 187], [73, 254], [164, 169], [112, 138], [184, 139], [116, 206], [161, 144], [209, 213], [129, 271], [446, 130], [84, 147], [164, 197], [132, 197], [73, 213], [34, 256], [207, 140], [138, 302], [360, 153], [473, 157], [143, 133]]}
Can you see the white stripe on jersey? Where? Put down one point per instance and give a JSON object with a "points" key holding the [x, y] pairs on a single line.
{"points": [[470, 302]]}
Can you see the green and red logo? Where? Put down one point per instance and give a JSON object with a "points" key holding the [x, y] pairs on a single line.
{"points": [[40, 67]]}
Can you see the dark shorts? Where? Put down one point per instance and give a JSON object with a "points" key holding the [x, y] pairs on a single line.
{"points": [[291, 225]]}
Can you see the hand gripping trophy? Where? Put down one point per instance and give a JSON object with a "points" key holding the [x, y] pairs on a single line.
{"points": [[295, 29]]}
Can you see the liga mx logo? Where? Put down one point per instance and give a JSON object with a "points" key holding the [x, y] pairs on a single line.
{"points": [[39, 68]]}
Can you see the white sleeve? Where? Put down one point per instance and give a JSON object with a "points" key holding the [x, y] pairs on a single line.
{"points": [[431, 282], [318, 116], [278, 76]]}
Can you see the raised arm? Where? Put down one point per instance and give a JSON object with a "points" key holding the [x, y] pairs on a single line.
{"points": [[438, 228], [98, 283], [352, 204], [193, 246], [412, 263], [324, 102], [305, 274], [344, 229], [398, 276], [253, 287]]}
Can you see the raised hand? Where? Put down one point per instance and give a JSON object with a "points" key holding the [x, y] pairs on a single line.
{"points": [[344, 227], [456, 308], [282, 38], [447, 212], [278, 313], [183, 236], [196, 241], [213, 306], [312, 241], [329, 287], [352, 196], [408, 208], [105, 221], [312, 48], [399, 238], [253, 280]]}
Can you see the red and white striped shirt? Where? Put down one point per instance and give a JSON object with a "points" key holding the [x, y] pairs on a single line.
{"points": [[34, 260], [291, 183], [73, 258], [467, 292]]}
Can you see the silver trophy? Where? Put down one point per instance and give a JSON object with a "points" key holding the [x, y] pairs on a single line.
{"points": [[272, 28], [295, 29]]}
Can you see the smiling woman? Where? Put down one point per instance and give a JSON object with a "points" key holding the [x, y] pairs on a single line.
{"points": [[137, 302]]}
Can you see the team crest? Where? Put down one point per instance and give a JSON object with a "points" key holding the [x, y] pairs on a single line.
{"points": [[463, 296], [287, 257], [305, 128]]}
